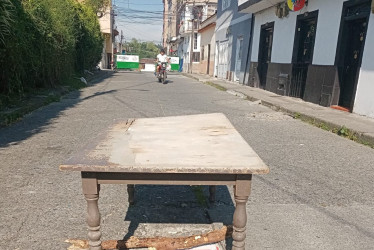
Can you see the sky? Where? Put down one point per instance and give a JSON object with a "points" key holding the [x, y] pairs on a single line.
{"points": [[140, 19]]}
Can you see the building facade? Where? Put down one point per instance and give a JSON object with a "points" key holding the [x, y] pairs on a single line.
{"points": [[233, 31], [208, 45], [320, 51], [106, 20], [165, 23], [186, 43], [171, 26]]}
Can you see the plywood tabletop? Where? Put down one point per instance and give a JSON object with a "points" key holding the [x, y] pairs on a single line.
{"points": [[206, 143]]}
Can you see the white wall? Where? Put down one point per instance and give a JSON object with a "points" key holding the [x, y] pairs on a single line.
{"points": [[149, 68], [240, 2], [284, 32], [329, 17], [364, 102], [328, 25]]}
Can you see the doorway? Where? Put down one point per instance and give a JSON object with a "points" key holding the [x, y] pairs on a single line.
{"points": [[208, 64], [302, 57], [238, 63], [216, 58], [264, 54], [352, 38], [223, 59]]}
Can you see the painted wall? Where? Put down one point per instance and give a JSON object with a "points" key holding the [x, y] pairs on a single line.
{"points": [[184, 51], [284, 32], [364, 102], [230, 26], [328, 25], [149, 68], [208, 37], [106, 29]]}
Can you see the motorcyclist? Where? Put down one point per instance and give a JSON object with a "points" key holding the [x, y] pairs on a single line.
{"points": [[161, 58]]}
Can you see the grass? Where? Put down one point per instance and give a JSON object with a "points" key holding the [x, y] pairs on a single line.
{"points": [[199, 193], [342, 131], [217, 86]]}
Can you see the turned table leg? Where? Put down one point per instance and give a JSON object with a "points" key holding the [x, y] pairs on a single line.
{"points": [[91, 193], [242, 191], [131, 193], [212, 193]]}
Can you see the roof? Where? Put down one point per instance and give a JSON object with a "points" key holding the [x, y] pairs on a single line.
{"points": [[209, 22]]}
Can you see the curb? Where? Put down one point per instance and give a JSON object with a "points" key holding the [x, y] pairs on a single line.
{"points": [[341, 130]]}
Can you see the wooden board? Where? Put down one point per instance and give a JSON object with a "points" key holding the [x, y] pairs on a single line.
{"points": [[206, 143]]}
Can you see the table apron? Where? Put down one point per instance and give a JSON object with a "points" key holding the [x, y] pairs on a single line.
{"points": [[163, 179]]}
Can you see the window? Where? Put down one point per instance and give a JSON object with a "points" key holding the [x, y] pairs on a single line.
{"points": [[195, 41], [225, 4], [196, 57]]}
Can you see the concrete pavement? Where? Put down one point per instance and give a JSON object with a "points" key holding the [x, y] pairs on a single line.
{"points": [[360, 128], [318, 194]]}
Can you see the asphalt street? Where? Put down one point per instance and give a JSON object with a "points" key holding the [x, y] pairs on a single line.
{"points": [[318, 194]]}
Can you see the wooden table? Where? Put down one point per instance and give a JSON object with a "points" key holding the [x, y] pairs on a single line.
{"points": [[184, 150]]}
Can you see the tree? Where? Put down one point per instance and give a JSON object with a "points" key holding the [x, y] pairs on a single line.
{"points": [[142, 49], [47, 43]]}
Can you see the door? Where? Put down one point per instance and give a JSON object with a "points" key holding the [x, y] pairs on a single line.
{"points": [[239, 56], [264, 55], [223, 59], [216, 59], [303, 52], [109, 60], [353, 34], [208, 65]]}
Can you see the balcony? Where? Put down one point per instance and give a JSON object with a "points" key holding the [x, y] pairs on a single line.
{"points": [[187, 28], [253, 6]]}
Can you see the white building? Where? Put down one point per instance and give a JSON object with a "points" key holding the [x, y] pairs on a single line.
{"points": [[191, 15], [321, 52], [233, 31], [106, 20]]}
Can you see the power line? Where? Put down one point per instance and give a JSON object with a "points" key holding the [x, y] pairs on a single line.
{"points": [[134, 16], [157, 4]]}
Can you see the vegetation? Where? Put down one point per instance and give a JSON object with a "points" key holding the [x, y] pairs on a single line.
{"points": [[45, 42], [142, 49], [339, 130], [217, 86]]}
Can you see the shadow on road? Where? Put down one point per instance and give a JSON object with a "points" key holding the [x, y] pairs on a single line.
{"points": [[98, 94], [36, 122], [165, 206]]}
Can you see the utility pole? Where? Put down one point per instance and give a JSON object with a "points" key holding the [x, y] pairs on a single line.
{"points": [[192, 36], [121, 42]]}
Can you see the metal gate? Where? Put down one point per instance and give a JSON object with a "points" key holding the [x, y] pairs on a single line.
{"points": [[238, 63], [223, 59], [303, 52], [298, 80]]}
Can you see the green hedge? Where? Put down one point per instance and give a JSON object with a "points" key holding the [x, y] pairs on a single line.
{"points": [[44, 42]]}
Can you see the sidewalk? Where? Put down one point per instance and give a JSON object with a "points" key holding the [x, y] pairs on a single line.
{"points": [[353, 126]]}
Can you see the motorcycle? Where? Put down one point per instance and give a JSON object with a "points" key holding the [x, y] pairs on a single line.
{"points": [[162, 72]]}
